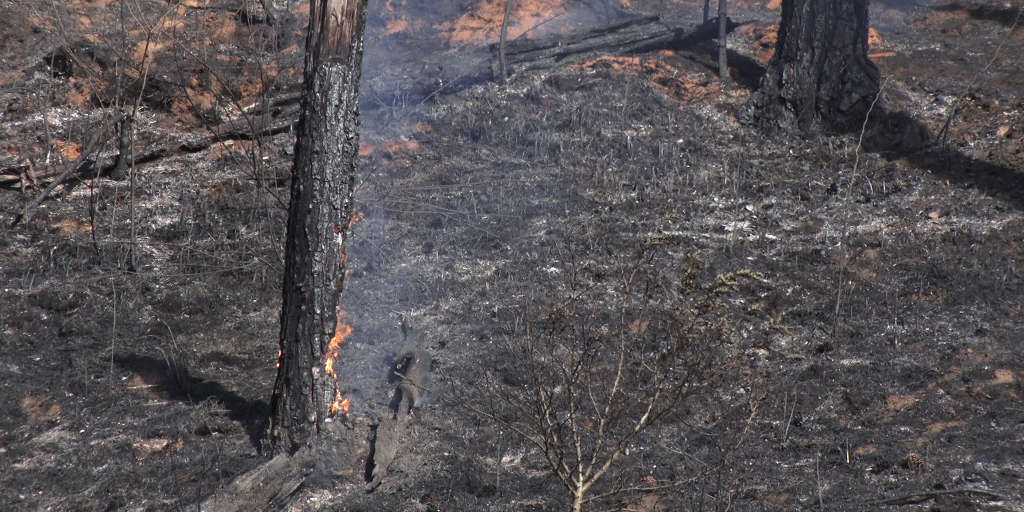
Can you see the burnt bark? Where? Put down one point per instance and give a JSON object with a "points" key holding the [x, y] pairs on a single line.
{"points": [[820, 76], [323, 177]]}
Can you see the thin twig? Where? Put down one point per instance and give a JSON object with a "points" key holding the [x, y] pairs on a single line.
{"points": [[502, 63], [976, 79], [72, 168], [911, 499], [853, 178]]}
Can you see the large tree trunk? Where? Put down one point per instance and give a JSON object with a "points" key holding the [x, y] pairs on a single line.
{"points": [[318, 221], [820, 77]]}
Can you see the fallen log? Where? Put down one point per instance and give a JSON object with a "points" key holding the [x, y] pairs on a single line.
{"points": [[452, 71], [336, 461], [267, 487], [636, 35], [281, 115], [630, 37]]}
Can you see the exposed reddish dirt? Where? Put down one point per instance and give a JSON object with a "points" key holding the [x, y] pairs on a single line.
{"points": [[872, 361]]}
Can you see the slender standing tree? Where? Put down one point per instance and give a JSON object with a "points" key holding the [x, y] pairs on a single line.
{"points": [[323, 178], [820, 76], [723, 34]]}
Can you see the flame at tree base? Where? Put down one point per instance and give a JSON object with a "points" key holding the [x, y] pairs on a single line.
{"points": [[341, 331]]}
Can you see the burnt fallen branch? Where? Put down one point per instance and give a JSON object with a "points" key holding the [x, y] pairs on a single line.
{"points": [[452, 71], [630, 37], [921, 497], [281, 114], [75, 167]]}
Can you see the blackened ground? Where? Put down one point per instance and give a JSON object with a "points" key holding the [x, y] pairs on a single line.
{"points": [[877, 358]]}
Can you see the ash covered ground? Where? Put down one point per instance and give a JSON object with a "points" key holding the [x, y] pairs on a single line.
{"points": [[874, 362]]}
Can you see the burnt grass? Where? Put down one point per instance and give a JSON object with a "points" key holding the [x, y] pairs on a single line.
{"points": [[871, 353]]}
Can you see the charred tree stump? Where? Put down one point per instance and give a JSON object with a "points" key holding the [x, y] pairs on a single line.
{"points": [[323, 177], [821, 76]]}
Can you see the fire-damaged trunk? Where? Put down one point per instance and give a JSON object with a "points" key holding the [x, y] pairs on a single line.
{"points": [[820, 77], [306, 391]]}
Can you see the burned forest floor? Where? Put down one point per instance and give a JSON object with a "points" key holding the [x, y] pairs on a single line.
{"points": [[864, 348]]}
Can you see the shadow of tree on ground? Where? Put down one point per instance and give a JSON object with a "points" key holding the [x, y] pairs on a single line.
{"points": [[173, 381]]}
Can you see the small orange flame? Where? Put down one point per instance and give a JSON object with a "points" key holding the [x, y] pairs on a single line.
{"points": [[355, 219], [340, 404], [341, 331]]}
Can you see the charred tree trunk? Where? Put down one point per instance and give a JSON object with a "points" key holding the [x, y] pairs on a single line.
{"points": [[323, 177], [502, 64], [723, 46], [820, 77]]}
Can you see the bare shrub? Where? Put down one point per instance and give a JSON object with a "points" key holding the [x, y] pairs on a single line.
{"points": [[586, 370]]}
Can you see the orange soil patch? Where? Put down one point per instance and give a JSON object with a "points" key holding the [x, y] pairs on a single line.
{"points": [[875, 38], [766, 37], [220, 25], [940, 426], [397, 146], [1003, 376], [683, 87], [70, 227], [483, 25], [897, 403], [393, 146], [148, 447], [40, 409], [866, 449], [395, 26], [67, 150]]}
